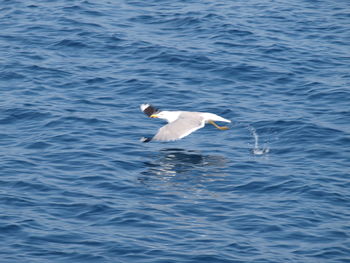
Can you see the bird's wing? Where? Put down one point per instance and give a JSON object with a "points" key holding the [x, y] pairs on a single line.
{"points": [[186, 123]]}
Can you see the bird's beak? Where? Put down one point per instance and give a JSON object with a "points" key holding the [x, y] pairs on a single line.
{"points": [[154, 116]]}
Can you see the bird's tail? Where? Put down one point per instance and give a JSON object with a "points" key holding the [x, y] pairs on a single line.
{"points": [[214, 117]]}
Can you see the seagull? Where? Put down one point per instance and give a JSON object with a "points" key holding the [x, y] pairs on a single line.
{"points": [[180, 123]]}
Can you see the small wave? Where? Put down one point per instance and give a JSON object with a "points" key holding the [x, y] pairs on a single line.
{"points": [[16, 115], [71, 43], [10, 75]]}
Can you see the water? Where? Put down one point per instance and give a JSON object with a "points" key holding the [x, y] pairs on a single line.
{"points": [[77, 185]]}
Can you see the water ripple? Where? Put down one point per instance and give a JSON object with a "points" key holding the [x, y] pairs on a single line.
{"points": [[76, 185]]}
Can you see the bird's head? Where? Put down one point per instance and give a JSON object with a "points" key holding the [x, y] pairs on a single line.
{"points": [[169, 116], [159, 115]]}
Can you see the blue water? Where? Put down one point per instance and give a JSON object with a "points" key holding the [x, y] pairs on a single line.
{"points": [[77, 185]]}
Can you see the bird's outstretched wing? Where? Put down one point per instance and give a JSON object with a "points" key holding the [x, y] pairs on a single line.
{"points": [[186, 124]]}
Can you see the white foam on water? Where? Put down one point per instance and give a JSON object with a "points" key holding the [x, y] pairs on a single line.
{"points": [[256, 150]]}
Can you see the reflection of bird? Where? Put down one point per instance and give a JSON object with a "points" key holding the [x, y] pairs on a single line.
{"points": [[180, 123]]}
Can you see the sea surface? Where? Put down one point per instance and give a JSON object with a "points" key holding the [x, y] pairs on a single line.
{"points": [[78, 185]]}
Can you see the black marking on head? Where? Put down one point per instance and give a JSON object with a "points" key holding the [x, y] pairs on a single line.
{"points": [[150, 110]]}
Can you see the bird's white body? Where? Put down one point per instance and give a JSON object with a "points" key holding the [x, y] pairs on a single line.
{"points": [[171, 116]]}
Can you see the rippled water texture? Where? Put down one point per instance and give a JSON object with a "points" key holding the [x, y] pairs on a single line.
{"points": [[77, 185]]}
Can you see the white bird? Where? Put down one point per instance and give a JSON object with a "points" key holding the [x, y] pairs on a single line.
{"points": [[180, 123]]}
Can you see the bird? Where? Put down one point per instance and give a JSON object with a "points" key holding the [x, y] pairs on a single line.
{"points": [[180, 123]]}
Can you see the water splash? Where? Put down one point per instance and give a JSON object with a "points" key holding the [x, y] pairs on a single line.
{"points": [[256, 150]]}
